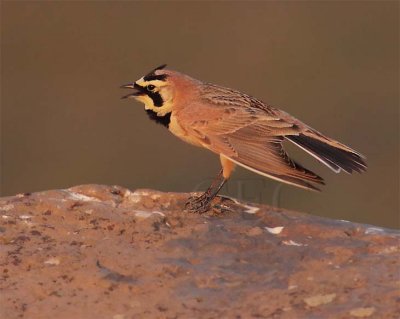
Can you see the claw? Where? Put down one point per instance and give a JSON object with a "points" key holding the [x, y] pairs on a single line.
{"points": [[198, 204], [201, 204]]}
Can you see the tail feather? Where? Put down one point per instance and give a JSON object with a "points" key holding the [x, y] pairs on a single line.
{"points": [[335, 158]]}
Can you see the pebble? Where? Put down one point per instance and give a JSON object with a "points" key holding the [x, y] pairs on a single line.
{"points": [[362, 312], [317, 300]]}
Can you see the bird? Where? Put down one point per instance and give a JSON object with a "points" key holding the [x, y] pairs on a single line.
{"points": [[243, 130]]}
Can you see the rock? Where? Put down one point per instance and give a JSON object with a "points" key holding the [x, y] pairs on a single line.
{"points": [[105, 252]]}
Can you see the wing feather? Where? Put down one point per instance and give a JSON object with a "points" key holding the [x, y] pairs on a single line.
{"points": [[254, 142], [250, 133], [335, 155]]}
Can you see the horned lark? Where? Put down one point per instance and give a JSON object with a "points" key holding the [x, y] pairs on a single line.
{"points": [[241, 129]]}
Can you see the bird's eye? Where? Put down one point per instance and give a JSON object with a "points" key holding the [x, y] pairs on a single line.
{"points": [[150, 87]]}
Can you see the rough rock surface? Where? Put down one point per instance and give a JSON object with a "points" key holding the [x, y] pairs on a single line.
{"points": [[105, 252]]}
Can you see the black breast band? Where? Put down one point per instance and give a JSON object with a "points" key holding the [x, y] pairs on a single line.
{"points": [[163, 120]]}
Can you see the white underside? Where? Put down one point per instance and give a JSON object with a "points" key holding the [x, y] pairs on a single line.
{"points": [[267, 175]]}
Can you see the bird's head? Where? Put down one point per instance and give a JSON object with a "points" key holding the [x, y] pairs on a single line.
{"points": [[158, 89]]}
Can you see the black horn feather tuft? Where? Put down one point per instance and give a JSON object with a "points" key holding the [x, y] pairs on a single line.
{"points": [[152, 75]]}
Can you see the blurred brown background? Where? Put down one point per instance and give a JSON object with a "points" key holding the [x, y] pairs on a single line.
{"points": [[334, 65]]}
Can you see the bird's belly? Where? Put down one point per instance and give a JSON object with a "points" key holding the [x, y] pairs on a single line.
{"points": [[176, 129]]}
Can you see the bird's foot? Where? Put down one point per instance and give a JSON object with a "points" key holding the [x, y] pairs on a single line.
{"points": [[199, 204]]}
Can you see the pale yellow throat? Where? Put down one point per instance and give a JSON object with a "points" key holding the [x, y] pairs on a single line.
{"points": [[165, 93]]}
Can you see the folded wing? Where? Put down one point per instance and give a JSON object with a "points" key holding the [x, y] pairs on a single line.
{"points": [[253, 141]]}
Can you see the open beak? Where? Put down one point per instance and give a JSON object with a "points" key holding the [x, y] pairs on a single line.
{"points": [[132, 86]]}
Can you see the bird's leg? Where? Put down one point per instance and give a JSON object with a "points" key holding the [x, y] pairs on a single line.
{"points": [[201, 203]]}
